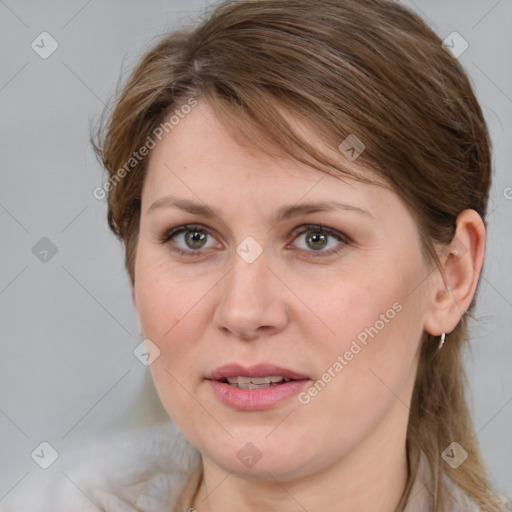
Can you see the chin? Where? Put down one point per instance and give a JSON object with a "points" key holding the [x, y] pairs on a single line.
{"points": [[263, 459]]}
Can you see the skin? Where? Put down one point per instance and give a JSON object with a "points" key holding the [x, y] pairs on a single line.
{"points": [[345, 449]]}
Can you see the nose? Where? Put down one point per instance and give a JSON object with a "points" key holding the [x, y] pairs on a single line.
{"points": [[252, 301]]}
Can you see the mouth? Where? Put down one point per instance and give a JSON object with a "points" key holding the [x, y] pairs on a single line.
{"points": [[256, 387]]}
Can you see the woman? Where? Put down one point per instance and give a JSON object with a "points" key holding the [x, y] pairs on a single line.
{"points": [[301, 191]]}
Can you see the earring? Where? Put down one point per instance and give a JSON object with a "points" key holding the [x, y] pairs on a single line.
{"points": [[441, 341]]}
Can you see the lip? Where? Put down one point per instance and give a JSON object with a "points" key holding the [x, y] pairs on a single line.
{"points": [[259, 370], [255, 399]]}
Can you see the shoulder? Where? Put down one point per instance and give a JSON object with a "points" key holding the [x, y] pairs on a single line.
{"points": [[141, 470], [460, 501], [420, 496]]}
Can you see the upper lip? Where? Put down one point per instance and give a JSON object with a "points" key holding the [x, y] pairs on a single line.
{"points": [[259, 370]]}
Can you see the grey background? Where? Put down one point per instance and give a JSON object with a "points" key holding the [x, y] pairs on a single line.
{"points": [[67, 369]]}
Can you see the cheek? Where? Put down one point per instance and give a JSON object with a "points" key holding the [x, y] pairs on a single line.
{"points": [[348, 310], [167, 299], [169, 307], [374, 330]]}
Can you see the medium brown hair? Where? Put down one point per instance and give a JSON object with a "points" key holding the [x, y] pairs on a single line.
{"points": [[369, 68]]}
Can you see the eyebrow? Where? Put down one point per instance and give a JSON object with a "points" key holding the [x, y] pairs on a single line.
{"points": [[283, 213]]}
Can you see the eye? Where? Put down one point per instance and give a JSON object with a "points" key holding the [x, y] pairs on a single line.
{"points": [[189, 240], [320, 240], [315, 240]]}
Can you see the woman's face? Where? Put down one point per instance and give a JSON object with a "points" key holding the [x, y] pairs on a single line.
{"points": [[258, 289]]}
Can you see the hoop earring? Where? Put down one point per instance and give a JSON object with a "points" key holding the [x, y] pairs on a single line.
{"points": [[441, 341]]}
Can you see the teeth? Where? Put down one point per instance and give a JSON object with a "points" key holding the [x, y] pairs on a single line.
{"points": [[255, 382], [278, 379]]}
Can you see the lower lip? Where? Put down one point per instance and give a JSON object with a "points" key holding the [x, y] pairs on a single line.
{"points": [[256, 399]]}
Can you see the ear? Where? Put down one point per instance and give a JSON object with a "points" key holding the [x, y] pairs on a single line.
{"points": [[461, 261]]}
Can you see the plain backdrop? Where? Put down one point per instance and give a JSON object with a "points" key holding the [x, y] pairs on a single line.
{"points": [[68, 373]]}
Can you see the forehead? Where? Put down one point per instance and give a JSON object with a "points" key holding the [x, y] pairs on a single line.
{"points": [[198, 159]]}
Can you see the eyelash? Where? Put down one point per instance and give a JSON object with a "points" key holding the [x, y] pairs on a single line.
{"points": [[344, 239]]}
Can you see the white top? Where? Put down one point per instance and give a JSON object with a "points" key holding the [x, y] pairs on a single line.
{"points": [[146, 471]]}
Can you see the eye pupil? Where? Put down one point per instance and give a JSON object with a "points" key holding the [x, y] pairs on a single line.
{"points": [[195, 239], [317, 238]]}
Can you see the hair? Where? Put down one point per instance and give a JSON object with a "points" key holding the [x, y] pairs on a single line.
{"points": [[369, 68]]}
